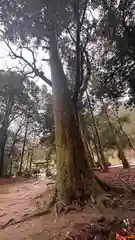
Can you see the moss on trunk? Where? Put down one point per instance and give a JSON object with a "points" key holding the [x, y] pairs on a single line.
{"points": [[75, 179]]}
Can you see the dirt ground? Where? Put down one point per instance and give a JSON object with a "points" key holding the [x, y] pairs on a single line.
{"points": [[20, 199]]}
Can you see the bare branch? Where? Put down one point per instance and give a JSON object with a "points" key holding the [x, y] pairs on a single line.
{"points": [[88, 74], [15, 117], [74, 41], [84, 11], [33, 56], [14, 55], [45, 60]]}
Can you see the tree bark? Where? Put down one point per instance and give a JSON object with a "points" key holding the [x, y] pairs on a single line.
{"points": [[31, 159], [119, 147], [11, 167], [11, 149], [85, 141], [24, 144], [73, 172], [96, 148], [48, 161], [87, 145], [3, 133], [78, 53], [32, 151], [102, 157], [124, 133]]}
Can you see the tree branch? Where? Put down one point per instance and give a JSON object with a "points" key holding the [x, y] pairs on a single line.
{"points": [[35, 70], [84, 11]]}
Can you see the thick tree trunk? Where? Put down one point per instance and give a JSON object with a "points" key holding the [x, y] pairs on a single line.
{"points": [[103, 160], [73, 171]]}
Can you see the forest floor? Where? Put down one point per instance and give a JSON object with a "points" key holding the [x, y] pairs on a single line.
{"points": [[20, 199]]}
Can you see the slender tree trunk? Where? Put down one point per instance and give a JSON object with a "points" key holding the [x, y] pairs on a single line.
{"points": [[95, 151], [91, 137], [3, 134], [119, 147], [102, 157], [78, 53], [96, 148], [90, 156], [26, 165], [47, 166], [31, 157], [48, 160], [92, 153], [24, 143], [73, 172], [13, 144], [124, 133], [85, 141], [11, 149], [11, 166]]}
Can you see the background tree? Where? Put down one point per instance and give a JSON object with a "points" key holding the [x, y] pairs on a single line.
{"points": [[10, 93]]}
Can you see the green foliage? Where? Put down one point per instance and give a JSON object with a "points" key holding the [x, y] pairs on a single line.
{"points": [[106, 136], [19, 97], [116, 27], [37, 21]]}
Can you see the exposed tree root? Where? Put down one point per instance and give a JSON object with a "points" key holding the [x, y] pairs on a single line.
{"points": [[109, 187], [59, 207], [29, 217], [100, 202], [128, 187]]}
